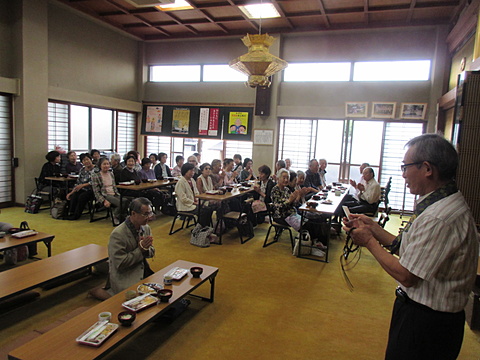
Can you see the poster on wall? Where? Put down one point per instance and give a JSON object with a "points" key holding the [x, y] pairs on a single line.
{"points": [[154, 119], [238, 123], [208, 121], [180, 121]]}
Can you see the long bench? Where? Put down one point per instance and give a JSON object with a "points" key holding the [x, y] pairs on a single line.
{"points": [[59, 343], [30, 276]]}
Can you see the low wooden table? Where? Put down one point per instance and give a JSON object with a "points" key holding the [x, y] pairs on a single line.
{"points": [[323, 209], [59, 343], [30, 276], [8, 241]]}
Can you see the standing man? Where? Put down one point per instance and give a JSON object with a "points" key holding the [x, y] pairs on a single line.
{"points": [[131, 243], [438, 254]]}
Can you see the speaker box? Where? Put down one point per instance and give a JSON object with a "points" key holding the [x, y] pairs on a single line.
{"points": [[262, 101]]}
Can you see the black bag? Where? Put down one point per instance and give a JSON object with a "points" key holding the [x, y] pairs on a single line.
{"points": [[245, 227], [168, 207], [33, 203]]}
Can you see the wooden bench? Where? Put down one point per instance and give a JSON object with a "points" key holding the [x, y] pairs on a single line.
{"points": [[30, 276], [59, 343]]}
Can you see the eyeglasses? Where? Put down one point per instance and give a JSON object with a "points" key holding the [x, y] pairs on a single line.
{"points": [[405, 166], [147, 215]]}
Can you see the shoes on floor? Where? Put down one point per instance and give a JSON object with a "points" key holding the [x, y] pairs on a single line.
{"points": [[116, 221]]}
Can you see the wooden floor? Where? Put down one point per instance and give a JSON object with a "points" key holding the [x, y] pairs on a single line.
{"points": [[268, 304]]}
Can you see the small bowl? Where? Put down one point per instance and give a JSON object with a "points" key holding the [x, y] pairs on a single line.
{"points": [[164, 294], [196, 271], [126, 318], [229, 189], [316, 197], [144, 180], [312, 204], [160, 178]]}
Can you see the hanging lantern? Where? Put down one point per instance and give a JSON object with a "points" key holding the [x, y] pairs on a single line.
{"points": [[258, 63]]}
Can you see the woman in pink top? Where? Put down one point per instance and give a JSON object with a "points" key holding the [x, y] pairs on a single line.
{"points": [[105, 190]]}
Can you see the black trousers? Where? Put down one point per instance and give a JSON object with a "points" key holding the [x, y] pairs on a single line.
{"points": [[78, 200], [420, 333]]}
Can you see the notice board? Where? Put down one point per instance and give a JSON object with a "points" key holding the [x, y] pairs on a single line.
{"points": [[211, 122]]}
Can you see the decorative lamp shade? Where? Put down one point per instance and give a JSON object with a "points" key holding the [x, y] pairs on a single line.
{"points": [[258, 63]]}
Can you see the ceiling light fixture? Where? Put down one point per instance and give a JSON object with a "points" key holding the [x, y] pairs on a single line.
{"points": [[175, 5], [258, 64]]}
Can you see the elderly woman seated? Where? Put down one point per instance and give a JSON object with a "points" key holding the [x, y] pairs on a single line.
{"points": [[105, 190], [73, 166], [285, 203], [130, 173], [49, 169], [247, 172], [186, 190], [82, 193]]}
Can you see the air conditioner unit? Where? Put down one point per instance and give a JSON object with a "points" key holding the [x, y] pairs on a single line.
{"points": [[149, 3]]}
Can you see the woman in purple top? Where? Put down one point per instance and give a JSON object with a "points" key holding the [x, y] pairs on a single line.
{"points": [[147, 172]]}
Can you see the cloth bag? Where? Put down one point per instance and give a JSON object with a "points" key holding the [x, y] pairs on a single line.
{"points": [[306, 243], [201, 236], [258, 206], [294, 221], [33, 203], [59, 208]]}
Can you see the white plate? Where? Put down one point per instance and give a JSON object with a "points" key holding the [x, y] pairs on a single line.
{"points": [[97, 333]]}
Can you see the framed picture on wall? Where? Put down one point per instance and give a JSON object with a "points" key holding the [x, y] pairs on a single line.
{"points": [[356, 109], [385, 110], [413, 111]]}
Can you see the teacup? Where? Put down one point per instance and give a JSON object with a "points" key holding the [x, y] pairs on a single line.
{"points": [[105, 316]]}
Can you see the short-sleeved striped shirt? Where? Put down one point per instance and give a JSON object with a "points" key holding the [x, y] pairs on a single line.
{"points": [[441, 248]]}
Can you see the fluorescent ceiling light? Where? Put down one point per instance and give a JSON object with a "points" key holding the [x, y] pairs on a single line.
{"points": [[260, 11], [177, 5]]}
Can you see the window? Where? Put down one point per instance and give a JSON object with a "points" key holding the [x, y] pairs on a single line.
{"points": [[209, 149], [158, 144], [350, 143], [222, 73], [335, 71], [244, 148], [82, 128], [57, 125], [126, 132], [6, 151], [416, 70], [396, 136], [102, 129], [175, 73]]}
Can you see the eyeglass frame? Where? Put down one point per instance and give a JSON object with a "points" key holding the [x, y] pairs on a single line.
{"points": [[149, 214], [404, 167]]}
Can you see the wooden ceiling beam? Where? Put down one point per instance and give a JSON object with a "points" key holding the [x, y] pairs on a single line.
{"points": [[324, 14]]}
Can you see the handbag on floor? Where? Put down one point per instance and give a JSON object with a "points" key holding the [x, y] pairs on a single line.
{"points": [[33, 203], [306, 243], [59, 208], [201, 236]]}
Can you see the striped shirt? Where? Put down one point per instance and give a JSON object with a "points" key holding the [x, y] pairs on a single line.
{"points": [[441, 248]]}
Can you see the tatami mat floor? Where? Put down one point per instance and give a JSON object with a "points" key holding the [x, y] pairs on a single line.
{"points": [[268, 304]]}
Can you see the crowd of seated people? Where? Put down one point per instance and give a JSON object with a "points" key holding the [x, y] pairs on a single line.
{"points": [[98, 177]]}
